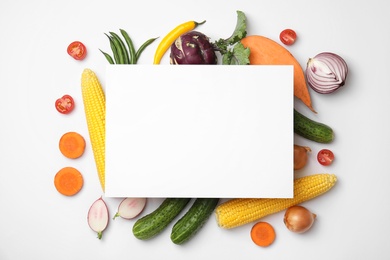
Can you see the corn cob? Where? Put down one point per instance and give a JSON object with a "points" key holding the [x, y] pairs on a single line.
{"points": [[95, 112], [237, 212]]}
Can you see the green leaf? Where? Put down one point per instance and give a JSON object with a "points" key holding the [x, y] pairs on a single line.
{"points": [[240, 30], [238, 55], [231, 49], [241, 54], [227, 58]]}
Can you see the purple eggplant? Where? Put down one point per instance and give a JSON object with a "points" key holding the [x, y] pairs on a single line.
{"points": [[192, 48]]}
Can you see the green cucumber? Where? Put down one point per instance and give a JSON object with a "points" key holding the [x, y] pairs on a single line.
{"points": [[186, 227], [311, 129], [152, 224]]}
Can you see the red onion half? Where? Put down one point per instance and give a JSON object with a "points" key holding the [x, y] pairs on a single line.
{"points": [[326, 72]]}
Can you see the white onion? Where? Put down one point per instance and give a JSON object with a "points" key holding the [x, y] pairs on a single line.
{"points": [[326, 72]]}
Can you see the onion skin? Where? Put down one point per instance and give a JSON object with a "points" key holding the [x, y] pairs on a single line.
{"points": [[192, 48], [300, 156], [326, 72], [298, 219]]}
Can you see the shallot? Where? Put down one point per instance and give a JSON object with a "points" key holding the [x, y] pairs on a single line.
{"points": [[98, 216], [326, 72]]}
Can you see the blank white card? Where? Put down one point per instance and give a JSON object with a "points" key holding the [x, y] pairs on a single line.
{"points": [[199, 131]]}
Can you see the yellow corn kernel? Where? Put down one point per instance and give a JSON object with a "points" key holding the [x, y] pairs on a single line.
{"points": [[237, 212], [95, 112]]}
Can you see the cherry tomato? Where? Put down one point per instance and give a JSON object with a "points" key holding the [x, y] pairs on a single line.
{"points": [[325, 157], [288, 36], [77, 50], [65, 104]]}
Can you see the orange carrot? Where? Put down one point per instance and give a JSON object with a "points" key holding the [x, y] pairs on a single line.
{"points": [[263, 234], [68, 181], [264, 51], [72, 145]]}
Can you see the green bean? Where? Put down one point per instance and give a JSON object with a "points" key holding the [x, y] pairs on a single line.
{"points": [[143, 46], [108, 57], [114, 50], [124, 57], [130, 45]]}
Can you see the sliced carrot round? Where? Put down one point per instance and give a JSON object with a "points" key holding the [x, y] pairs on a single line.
{"points": [[68, 181], [72, 145], [263, 234]]}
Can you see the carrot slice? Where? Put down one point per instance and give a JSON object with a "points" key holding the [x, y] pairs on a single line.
{"points": [[72, 145], [263, 234], [68, 181], [264, 51]]}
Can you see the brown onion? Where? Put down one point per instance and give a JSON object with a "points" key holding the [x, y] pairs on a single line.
{"points": [[298, 219], [326, 72], [300, 156]]}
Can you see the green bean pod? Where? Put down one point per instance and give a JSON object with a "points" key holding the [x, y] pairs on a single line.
{"points": [[108, 57], [130, 45], [113, 49], [124, 56], [121, 54], [143, 47]]}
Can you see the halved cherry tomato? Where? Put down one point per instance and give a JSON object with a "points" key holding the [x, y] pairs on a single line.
{"points": [[65, 104], [325, 157], [288, 36], [77, 50]]}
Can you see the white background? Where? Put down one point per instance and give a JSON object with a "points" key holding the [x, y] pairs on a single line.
{"points": [[36, 221], [176, 126]]}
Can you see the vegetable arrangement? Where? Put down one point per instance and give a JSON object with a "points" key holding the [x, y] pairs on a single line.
{"points": [[325, 73], [237, 212], [192, 47], [68, 181], [122, 54], [169, 39], [264, 51]]}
